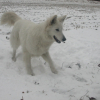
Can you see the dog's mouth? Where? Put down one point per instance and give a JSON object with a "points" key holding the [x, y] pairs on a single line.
{"points": [[56, 39]]}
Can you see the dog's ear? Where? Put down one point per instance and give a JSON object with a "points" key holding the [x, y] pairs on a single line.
{"points": [[53, 20], [62, 18]]}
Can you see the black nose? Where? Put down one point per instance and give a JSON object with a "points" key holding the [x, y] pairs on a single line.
{"points": [[64, 39]]}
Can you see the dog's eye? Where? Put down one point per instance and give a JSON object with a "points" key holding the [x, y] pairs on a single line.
{"points": [[57, 29]]}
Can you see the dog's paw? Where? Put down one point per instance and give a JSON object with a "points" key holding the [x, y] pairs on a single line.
{"points": [[55, 71], [14, 59], [30, 72], [33, 74]]}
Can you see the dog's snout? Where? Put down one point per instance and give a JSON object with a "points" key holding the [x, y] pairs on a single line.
{"points": [[64, 39]]}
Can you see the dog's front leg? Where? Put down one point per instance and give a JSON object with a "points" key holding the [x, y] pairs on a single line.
{"points": [[27, 60], [48, 59]]}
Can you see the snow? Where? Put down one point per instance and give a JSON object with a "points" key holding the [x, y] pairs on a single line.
{"points": [[76, 60], [44, 0]]}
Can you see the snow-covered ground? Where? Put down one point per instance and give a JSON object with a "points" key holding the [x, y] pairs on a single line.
{"points": [[44, 0], [76, 60]]}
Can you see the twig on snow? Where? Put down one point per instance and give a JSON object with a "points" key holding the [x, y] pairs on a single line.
{"points": [[70, 90], [84, 96], [91, 98]]}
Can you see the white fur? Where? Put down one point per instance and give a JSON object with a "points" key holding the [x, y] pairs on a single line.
{"points": [[35, 39]]}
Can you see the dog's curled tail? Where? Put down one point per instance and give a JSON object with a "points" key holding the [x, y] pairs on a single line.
{"points": [[9, 18]]}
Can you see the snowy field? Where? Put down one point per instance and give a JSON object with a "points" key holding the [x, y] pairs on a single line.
{"points": [[76, 60]]}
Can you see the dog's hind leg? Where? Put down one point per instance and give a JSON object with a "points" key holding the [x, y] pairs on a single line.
{"points": [[48, 59], [14, 55], [15, 42]]}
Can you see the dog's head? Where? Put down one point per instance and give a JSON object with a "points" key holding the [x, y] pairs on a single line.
{"points": [[54, 27]]}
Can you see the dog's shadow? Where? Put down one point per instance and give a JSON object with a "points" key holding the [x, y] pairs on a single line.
{"points": [[37, 65], [36, 62]]}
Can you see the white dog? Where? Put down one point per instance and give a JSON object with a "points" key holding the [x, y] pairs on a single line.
{"points": [[35, 39]]}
